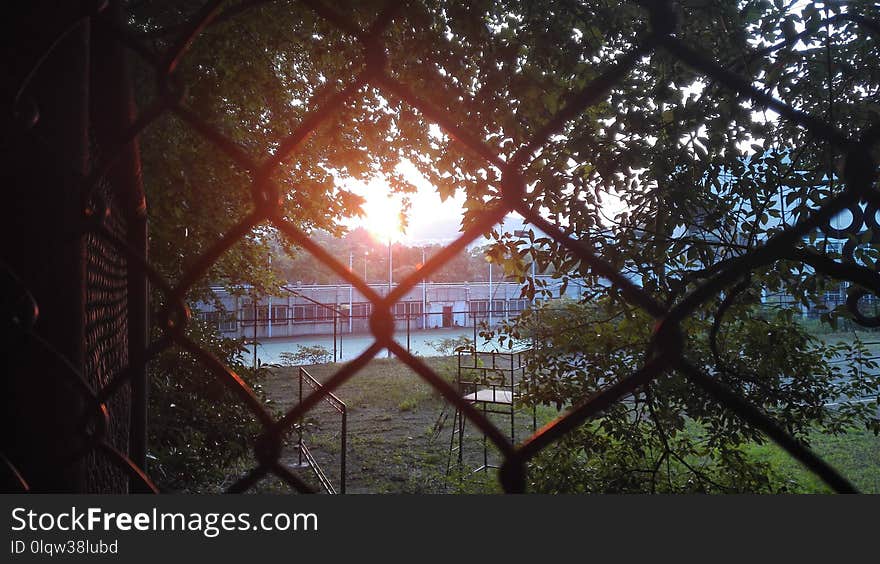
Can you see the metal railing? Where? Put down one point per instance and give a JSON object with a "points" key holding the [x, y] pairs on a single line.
{"points": [[304, 452], [342, 328]]}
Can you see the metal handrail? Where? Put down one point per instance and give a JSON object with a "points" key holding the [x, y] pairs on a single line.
{"points": [[339, 406]]}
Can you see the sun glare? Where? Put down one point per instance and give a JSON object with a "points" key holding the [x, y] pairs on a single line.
{"points": [[429, 218], [382, 216]]}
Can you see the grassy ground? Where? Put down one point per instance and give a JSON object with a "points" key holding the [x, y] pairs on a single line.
{"points": [[870, 339], [395, 445], [856, 455], [846, 334]]}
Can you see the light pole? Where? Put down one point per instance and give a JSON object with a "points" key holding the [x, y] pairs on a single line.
{"points": [[350, 288], [424, 295], [523, 233], [254, 300], [393, 321], [346, 312], [490, 295]]}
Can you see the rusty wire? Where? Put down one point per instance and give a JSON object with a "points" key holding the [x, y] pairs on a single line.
{"points": [[666, 353]]}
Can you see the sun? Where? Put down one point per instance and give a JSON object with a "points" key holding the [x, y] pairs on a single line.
{"points": [[382, 215]]}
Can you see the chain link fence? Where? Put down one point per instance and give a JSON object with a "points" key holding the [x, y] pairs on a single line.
{"points": [[94, 357]]}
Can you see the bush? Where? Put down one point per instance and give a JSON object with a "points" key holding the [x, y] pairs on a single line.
{"points": [[198, 428], [450, 345], [668, 436], [306, 354]]}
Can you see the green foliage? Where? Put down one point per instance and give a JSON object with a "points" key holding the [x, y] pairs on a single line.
{"points": [[198, 429], [669, 436], [450, 345], [306, 354], [408, 404]]}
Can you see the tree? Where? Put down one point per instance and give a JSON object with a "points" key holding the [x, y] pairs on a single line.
{"points": [[694, 169], [669, 175], [669, 146], [248, 78]]}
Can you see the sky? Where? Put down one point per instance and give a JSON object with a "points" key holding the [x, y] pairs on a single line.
{"points": [[430, 219]]}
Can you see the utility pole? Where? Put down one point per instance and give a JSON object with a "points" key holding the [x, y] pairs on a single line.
{"points": [[336, 328]]}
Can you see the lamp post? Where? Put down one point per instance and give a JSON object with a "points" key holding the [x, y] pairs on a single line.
{"points": [[269, 305], [346, 312], [524, 233], [489, 309], [350, 288], [393, 321], [254, 301], [424, 295]]}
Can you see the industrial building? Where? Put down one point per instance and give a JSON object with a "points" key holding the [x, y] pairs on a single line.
{"points": [[300, 310]]}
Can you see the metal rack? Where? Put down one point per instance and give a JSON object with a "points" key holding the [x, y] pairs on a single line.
{"points": [[491, 381]]}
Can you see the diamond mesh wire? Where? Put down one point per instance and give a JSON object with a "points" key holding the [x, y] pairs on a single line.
{"points": [[110, 251]]}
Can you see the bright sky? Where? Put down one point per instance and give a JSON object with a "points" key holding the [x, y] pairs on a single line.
{"points": [[430, 220]]}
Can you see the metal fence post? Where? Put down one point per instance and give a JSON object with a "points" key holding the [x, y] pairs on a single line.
{"points": [[113, 112], [344, 447], [299, 422]]}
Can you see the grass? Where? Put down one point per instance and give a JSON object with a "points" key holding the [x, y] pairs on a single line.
{"points": [[394, 446], [843, 327], [856, 455]]}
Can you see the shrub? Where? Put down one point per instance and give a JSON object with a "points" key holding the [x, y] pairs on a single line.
{"points": [[450, 345], [306, 354], [198, 428]]}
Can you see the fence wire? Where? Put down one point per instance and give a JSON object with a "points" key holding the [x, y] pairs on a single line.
{"points": [[102, 396]]}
